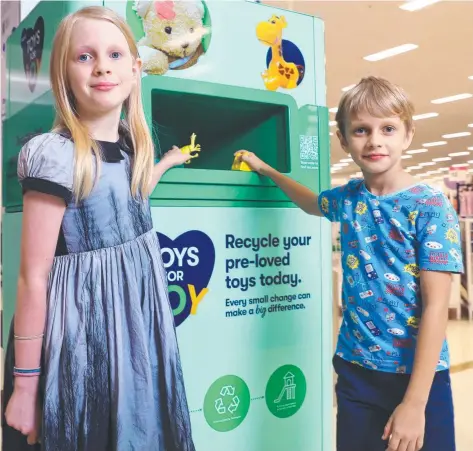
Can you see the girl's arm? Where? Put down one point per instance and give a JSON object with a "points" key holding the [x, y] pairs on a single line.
{"points": [[42, 217], [173, 157]]}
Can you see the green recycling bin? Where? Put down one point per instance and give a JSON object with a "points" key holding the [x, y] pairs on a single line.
{"points": [[249, 274]]}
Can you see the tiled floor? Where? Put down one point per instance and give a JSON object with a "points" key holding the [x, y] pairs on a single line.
{"points": [[460, 338]]}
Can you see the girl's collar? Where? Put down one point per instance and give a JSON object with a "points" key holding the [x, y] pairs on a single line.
{"points": [[111, 151]]}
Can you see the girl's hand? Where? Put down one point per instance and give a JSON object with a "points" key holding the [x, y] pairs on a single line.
{"points": [[23, 413], [174, 157], [255, 163]]}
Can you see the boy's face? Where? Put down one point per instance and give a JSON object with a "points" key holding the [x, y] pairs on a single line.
{"points": [[376, 144]]}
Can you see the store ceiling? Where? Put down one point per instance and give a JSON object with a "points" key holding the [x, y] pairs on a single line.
{"points": [[438, 68]]}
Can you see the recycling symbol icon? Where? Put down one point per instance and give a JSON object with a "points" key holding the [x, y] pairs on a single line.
{"points": [[228, 401]]}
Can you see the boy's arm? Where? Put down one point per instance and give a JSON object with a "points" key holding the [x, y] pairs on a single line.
{"points": [[406, 427], [302, 196], [435, 289]]}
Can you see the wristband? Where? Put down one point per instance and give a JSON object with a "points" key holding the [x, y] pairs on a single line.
{"points": [[26, 372]]}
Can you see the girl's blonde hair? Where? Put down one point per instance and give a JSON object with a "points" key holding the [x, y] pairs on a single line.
{"points": [[377, 97], [134, 125]]}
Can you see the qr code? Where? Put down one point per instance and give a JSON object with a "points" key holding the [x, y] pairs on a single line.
{"points": [[309, 146]]}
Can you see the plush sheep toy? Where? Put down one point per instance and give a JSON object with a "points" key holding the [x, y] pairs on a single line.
{"points": [[173, 34]]}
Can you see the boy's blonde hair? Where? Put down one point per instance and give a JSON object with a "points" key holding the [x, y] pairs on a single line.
{"points": [[377, 97], [134, 125]]}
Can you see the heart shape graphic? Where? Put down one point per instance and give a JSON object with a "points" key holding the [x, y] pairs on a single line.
{"points": [[32, 41], [189, 260]]}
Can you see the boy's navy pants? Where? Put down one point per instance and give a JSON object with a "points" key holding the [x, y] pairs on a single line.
{"points": [[366, 399]]}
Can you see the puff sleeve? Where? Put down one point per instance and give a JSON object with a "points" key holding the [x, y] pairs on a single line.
{"points": [[45, 164]]}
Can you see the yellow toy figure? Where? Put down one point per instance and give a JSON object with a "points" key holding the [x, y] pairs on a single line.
{"points": [[280, 73], [239, 164], [192, 149]]}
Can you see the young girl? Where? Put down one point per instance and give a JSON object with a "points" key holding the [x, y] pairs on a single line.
{"points": [[92, 361]]}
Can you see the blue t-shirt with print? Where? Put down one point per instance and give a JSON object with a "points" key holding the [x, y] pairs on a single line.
{"points": [[386, 241]]}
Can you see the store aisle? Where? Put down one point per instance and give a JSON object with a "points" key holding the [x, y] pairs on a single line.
{"points": [[460, 338]]}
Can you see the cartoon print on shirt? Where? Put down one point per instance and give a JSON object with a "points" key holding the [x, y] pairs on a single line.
{"points": [[324, 204], [413, 321], [452, 236], [361, 208], [412, 269], [352, 261], [412, 217], [386, 243]]}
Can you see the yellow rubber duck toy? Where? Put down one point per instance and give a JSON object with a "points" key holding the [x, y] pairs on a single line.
{"points": [[192, 149], [239, 164]]}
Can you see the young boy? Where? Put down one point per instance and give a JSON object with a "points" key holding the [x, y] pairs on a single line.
{"points": [[400, 243]]}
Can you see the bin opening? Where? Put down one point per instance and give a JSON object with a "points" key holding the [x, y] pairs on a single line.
{"points": [[223, 126]]}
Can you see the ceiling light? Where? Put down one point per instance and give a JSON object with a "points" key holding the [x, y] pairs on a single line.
{"points": [[424, 116], [435, 143], [333, 110], [427, 163], [332, 123], [415, 5], [412, 168], [417, 151], [470, 125], [346, 160], [347, 88], [340, 165], [459, 165], [456, 135], [471, 77], [470, 148], [470, 162], [405, 157], [441, 159], [452, 98], [391, 52], [444, 169], [458, 154]]}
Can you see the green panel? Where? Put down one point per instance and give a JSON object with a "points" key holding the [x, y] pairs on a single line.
{"points": [[324, 152], [268, 123], [17, 130], [11, 235]]}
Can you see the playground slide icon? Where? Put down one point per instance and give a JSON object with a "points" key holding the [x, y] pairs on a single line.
{"points": [[288, 391]]}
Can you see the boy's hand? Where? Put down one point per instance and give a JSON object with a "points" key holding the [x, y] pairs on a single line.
{"points": [[405, 429], [174, 157], [255, 163]]}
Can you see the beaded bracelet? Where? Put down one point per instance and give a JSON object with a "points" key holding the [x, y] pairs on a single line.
{"points": [[26, 372], [32, 337]]}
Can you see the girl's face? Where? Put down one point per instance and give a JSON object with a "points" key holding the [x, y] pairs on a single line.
{"points": [[101, 70]]}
